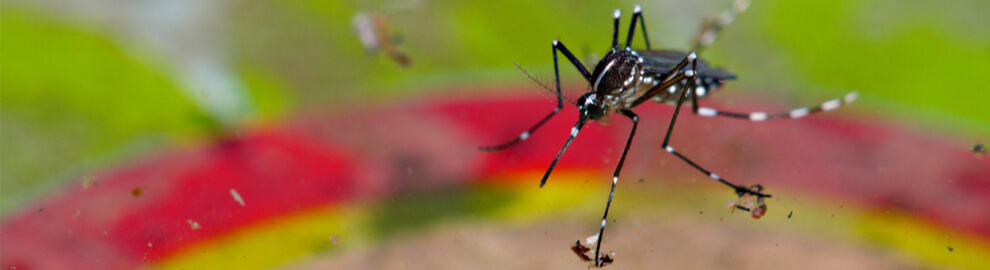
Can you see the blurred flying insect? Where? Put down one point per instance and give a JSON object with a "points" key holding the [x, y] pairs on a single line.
{"points": [[625, 78], [980, 149], [375, 33]]}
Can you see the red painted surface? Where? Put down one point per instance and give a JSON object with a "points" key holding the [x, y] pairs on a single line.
{"points": [[317, 160], [106, 227]]}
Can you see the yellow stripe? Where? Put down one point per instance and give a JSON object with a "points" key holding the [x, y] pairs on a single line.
{"points": [[927, 242], [293, 237], [275, 242]]}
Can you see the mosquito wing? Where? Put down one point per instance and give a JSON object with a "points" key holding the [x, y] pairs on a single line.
{"points": [[661, 62]]}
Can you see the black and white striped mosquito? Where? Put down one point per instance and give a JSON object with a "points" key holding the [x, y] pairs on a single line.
{"points": [[625, 78]]}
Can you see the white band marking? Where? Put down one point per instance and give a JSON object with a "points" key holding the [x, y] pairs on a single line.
{"points": [[849, 98], [705, 111], [831, 105], [524, 136], [574, 131], [604, 71], [798, 113], [758, 116], [715, 176], [670, 149]]}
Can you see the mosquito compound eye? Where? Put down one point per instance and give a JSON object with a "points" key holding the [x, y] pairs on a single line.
{"points": [[590, 107], [595, 111]]}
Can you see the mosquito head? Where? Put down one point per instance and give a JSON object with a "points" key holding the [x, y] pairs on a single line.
{"points": [[591, 106], [619, 70]]}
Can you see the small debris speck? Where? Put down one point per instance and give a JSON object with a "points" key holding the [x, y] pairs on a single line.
{"points": [[149, 244], [950, 249], [759, 211], [137, 192], [41, 209], [581, 251], [789, 214], [194, 225], [333, 240], [640, 180], [237, 197]]}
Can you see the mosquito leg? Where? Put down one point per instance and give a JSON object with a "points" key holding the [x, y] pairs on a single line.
{"points": [[615, 27], [560, 98], [559, 46], [615, 179], [740, 190], [637, 14], [792, 114], [525, 134], [714, 24], [574, 133]]}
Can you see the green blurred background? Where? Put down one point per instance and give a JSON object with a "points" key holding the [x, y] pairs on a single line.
{"points": [[87, 84]]}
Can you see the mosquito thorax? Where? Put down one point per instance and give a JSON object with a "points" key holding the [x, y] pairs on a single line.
{"points": [[619, 70], [590, 106]]}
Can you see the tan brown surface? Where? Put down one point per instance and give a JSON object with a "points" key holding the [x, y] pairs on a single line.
{"points": [[675, 244]]}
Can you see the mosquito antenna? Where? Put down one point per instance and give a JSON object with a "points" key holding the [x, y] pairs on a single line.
{"points": [[543, 85]]}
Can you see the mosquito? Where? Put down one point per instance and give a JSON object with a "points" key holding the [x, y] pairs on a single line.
{"points": [[625, 78], [375, 33]]}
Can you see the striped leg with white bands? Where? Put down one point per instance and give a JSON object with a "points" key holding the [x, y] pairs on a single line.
{"points": [[713, 25], [792, 114], [704, 111], [574, 133], [615, 180], [739, 189]]}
